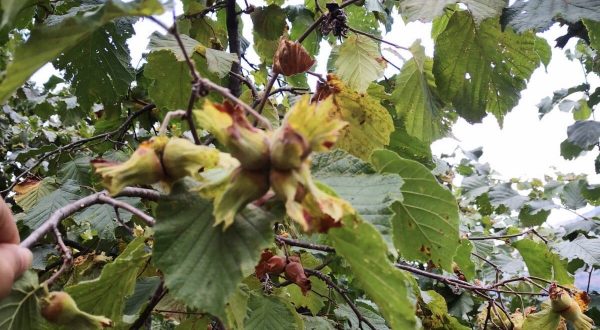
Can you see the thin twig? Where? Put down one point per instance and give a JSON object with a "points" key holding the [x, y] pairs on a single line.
{"points": [[587, 289], [503, 237], [160, 292], [247, 82], [374, 37], [200, 84], [103, 198], [117, 132], [293, 90], [306, 245], [330, 283], [267, 90], [73, 207], [168, 117], [233, 36], [66, 256]]}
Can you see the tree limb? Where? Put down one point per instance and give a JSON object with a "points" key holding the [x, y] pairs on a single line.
{"points": [[97, 198]]}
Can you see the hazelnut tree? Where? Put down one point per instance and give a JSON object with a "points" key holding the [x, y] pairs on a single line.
{"points": [[208, 189]]}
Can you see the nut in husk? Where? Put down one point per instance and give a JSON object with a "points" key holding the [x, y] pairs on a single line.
{"points": [[291, 58], [59, 308]]}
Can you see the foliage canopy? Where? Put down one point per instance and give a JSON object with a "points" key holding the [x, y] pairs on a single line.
{"points": [[203, 188]]}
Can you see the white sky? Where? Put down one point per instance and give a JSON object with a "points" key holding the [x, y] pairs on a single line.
{"points": [[526, 147]]}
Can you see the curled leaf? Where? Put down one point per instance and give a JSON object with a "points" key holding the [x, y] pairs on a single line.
{"points": [[291, 58], [295, 273], [269, 264]]}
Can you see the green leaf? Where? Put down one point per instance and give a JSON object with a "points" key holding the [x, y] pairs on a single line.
{"points": [[37, 215], [20, 310], [534, 213], [11, 10], [344, 312], [440, 320], [98, 67], [271, 312], [318, 323], [311, 300], [475, 185], [79, 170], [416, 99], [196, 322], [144, 289], [544, 319], [29, 195], [540, 14], [62, 33], [427, 10], [195, 255], [586, 249], [569, 150], [301, 19], [474, 75], [572, 194], [101, 218], [237, 308], [371, 194], [106, 294], [425, 226], [410, 147], [171, 86], [364, 250], [584, 134], [542, 262], [269, 22], [220, 62], [463, 259], [358, 62], [504, 194], [593, 28], [160, 42]]}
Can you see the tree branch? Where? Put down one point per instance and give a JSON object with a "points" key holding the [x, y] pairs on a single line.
{"points": [[160, 292], [306, 245], [502, 237], [330, 283], [234, 45], [97, 198], [201, 86]]}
